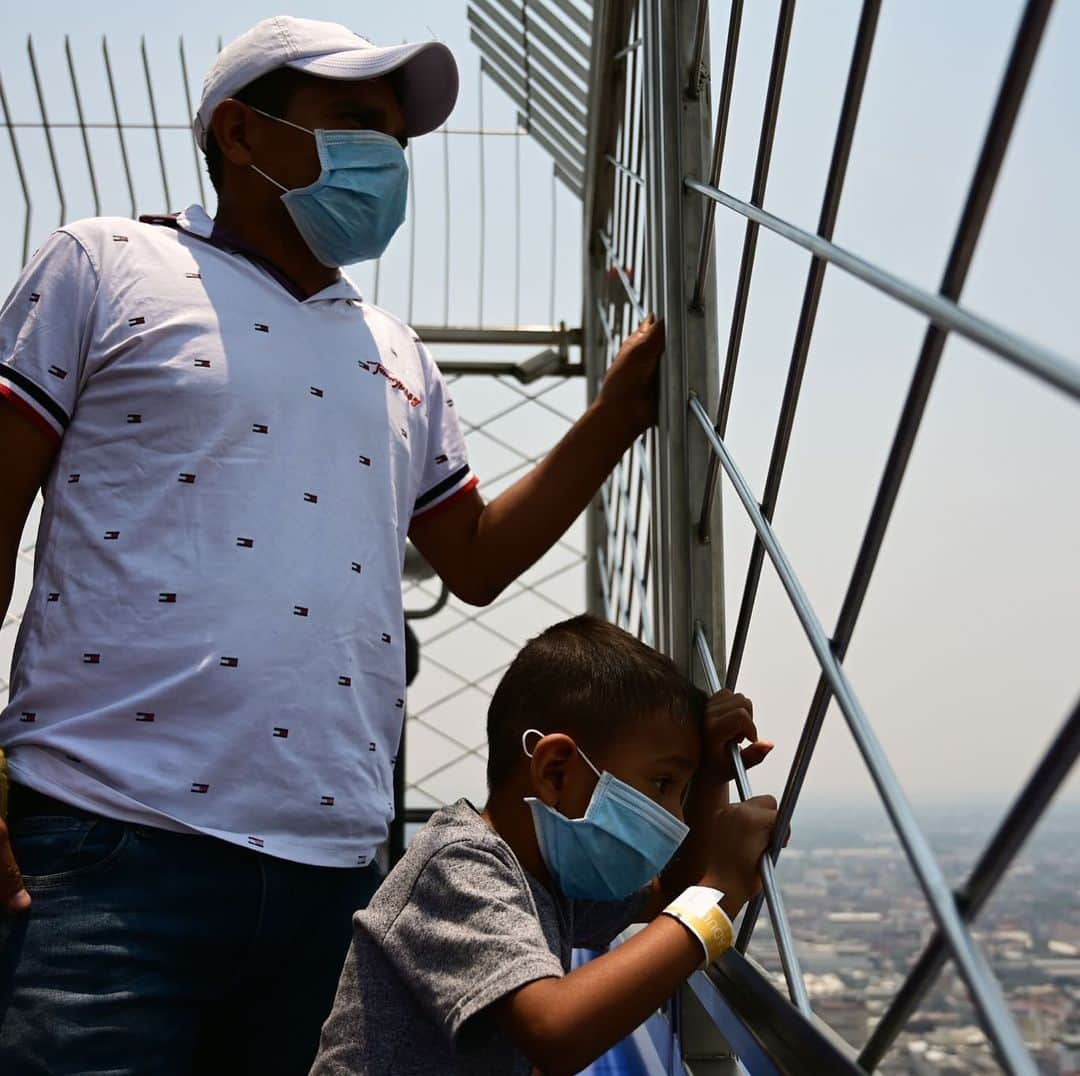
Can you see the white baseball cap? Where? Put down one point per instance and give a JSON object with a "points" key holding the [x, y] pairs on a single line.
{"points": [[327, 49]]}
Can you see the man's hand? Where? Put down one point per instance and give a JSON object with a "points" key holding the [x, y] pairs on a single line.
{"points": [[729, 719], [13, 895], [739, 834], [630, 386]]}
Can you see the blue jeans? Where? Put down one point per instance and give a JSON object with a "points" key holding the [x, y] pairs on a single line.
{"points": [[150, 952]]}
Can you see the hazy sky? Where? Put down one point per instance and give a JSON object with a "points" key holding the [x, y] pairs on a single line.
{"points": [[968, 651]]}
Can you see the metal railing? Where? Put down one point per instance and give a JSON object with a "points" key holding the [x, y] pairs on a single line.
{"points": [[653, 189]]}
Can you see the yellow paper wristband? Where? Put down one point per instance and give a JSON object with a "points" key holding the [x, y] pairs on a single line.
{"points": [[698, 909]]}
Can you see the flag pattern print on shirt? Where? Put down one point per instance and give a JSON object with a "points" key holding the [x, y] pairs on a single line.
{"points": [[225, 409]]}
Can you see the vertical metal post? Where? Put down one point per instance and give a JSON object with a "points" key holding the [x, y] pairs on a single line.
{"points": [[679, 129]]}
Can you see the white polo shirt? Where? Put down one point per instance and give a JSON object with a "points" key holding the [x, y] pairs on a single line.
{"points": [[214, 637]]}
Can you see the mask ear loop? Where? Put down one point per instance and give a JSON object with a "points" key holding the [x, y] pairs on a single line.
{"points": [[288, 123], [529, 754], [524, 736]]}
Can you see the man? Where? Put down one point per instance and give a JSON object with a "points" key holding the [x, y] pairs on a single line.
{"points": [[208, 690]]}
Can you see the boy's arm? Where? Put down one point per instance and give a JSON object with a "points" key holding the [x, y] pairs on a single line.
{"points": [[562, 1025], [479, 549], [729, 720]]}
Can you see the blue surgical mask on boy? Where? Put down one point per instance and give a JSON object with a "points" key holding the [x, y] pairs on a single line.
{"points": [[624, 840], [351, 212]]}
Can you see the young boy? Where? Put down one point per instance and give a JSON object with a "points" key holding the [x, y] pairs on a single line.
{"points": [[460, 964]]}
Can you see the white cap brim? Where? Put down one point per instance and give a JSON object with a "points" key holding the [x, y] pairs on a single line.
{"points": [[429, 82]]}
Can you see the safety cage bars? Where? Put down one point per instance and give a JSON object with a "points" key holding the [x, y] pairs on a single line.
{"points": [[652, 193]]}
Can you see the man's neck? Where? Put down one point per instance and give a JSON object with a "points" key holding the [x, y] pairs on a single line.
{"points": [[507, 813], [272, 236]]}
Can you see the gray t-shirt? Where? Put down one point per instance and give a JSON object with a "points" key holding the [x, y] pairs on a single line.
{"points": [[457, 925]]}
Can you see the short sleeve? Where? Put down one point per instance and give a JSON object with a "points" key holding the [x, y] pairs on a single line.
{"points": [[45, 331], [445, 473], [598, 922], [468, 935]]}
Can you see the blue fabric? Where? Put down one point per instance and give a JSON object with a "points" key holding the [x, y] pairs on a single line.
{"points": [[623, 842], [149, 952], [351, 212]]}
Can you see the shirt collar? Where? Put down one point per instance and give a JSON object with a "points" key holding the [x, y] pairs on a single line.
{"points": [[196, 221]]}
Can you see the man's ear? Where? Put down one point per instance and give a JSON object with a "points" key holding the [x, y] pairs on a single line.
{"points": [[231, 124], [549, 766]]}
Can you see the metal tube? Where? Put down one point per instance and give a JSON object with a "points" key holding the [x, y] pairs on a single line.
{"points": [[1043, 364], [119, 124], [620, 272], [27, 203], [984, 989], [517, 232], [581, 21], [785, 942], [698, 75], [1054, 369], [1026, 810], [481, 195], [845, 132], [412, 233], [446, 231], [554, 245], [757, 198], [628, 172], [154, 122], [723, 112], [82, 126], [191, 114], [46, 128], [563, 97], [498, 334]]}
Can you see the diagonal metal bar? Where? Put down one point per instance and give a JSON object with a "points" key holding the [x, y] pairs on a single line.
{"points": [[82, 126], [46, 127], [1050, 367], [757, 198], [984, 989], [568, 113], [119, 124], [187, 101], [155, 124], [512, 62], [1027, 809], [27, 203], [723, 112], [575, 17], [558, 65], [785, 942], [632, 296], [1054, 369], [845, 133]]}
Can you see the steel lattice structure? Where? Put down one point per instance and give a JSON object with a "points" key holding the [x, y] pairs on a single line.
{"points": [[617, 93]]}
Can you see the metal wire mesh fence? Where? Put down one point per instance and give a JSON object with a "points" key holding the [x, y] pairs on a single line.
{"points": [[657, 155], [621, 99]]}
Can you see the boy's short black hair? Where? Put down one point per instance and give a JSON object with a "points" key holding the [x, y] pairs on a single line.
{"points": [[588, 679]]}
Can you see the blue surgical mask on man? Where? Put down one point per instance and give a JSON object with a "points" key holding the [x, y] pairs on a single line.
{"points": [[351, 212], [623, 841]]}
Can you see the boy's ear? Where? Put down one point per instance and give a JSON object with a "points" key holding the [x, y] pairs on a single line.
{"points": [[549, 767]]}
